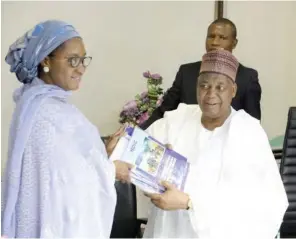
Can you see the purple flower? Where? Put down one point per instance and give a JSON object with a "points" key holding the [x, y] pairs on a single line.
{"points": [[130, 105], [145, 100], [139, 109], [156, 76], [147, 74], [132, 111], [143, 117]]}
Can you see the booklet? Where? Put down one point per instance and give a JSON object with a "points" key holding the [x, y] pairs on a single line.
{"points": [[152, 161]]}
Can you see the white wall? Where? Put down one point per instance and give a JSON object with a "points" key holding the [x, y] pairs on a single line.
{"points": [[267, 33], [127, 38]]}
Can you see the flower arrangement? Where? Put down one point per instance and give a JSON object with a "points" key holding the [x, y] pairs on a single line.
{"points": [[137, 111]]}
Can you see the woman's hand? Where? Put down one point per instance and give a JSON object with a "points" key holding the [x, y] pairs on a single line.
{"points": [[171, 199], [114, 138], [123, 171]]}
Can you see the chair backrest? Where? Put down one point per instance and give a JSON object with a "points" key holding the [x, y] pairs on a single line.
{"points": [[125, 218], [288, 172]]}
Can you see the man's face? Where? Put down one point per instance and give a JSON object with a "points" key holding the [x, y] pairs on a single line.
{"points": [[220, 36], [214, 94]]}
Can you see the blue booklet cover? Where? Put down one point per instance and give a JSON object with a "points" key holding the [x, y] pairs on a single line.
{"points": [[153, 162]]}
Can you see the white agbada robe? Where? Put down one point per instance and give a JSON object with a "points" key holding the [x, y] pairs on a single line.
{"points": [[234, 181]]}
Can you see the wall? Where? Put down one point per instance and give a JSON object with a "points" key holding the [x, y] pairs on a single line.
{"points": [[128, 38], [267, 33]]}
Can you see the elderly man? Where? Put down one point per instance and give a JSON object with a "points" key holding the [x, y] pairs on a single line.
{"points": [[233, 189], [221, 34]]}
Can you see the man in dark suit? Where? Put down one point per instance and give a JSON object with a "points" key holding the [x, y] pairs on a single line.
{"points": [[221, 35]]}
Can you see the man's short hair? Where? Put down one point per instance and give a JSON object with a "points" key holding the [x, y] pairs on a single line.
{"points": [[226, 22]]}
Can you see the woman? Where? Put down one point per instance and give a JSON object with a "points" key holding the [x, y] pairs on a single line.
{"points": [[59, 181]]}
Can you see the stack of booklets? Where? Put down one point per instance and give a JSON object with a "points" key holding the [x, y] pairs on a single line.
{"points": [[153, 162]]}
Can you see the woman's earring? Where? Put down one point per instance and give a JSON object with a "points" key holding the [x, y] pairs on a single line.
{"points": [[45, 69]]}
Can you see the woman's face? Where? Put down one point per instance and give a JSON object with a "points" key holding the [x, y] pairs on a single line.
{"points": [[66, 65]]}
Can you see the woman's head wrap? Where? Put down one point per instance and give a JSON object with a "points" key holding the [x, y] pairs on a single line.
{"points": [[26, 53]]}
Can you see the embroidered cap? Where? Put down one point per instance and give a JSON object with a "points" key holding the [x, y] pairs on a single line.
{"points": [[221, 62]]}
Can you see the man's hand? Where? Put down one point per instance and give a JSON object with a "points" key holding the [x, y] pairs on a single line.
{"points": [[171, 199], [122, 171]]}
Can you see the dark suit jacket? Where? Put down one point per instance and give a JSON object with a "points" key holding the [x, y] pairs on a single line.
{"points": [[183, 90]]}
